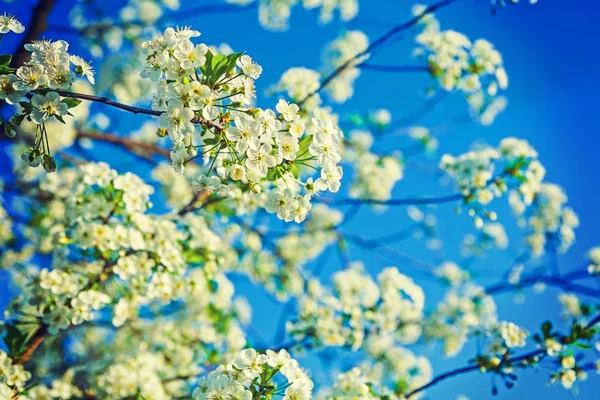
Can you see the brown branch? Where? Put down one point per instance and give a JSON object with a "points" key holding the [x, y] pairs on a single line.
{"points": [[35, 29], [36, 341], [142, 149]]}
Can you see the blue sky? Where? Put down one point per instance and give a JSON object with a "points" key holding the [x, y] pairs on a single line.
{"points": [[550, 53]]}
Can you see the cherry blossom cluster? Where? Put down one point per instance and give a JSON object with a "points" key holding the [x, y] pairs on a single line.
{"points": [[375, 176], [274, 374], [96, 229], [473, 68], [8, 23], [338, 53], [397, 373], [13, 377], [50, 68], [394, 304], [464, 310], [206, 97], [275, 14], [395, 365], [594, 259], [486, 173], [300, 84], [492, 235]]}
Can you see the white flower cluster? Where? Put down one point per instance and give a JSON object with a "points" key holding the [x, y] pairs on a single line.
{"points": [[396, 372], [49, 68], [398, 364], [298, 83], [394, 304], [464, 309], [353, 384], [425, 137], [12, 378], [275, 14], [254, 149], [270, 374], [548, 219], [109, 29], [486, 173], [569, 373], [572, 307], [62, 388], [492, 235], [96, 228], [338, 53], [157, 358], [594, 258], [8, 23], [375, 176], [451, 273], [474, 68], [513, 335], [280, 270]]}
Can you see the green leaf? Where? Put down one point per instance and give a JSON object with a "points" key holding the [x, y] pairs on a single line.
{"points": [[5, 69], [71, 102], [304, 144], [221, 208], [583, 345], [273, 174], [5, 59], [26, 106], [206, 69], [16, 338], [60, 118], [217, 65], [546, 328], [293, 170], [9, 130]]}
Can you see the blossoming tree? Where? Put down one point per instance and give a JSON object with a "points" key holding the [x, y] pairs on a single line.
{"points": [[122, 299]]}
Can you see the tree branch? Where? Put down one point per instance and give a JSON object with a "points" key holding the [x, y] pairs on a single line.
{"points": [[142, 149], [513, 360], [562, 282], [374, 45], [132, 109]]}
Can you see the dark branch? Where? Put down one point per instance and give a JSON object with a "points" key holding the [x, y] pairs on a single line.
{"points": [[375, 45]]}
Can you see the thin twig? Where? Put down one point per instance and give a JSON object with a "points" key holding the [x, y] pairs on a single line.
{"points": [[374, 45]]}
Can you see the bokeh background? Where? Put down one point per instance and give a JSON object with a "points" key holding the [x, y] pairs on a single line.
{"points": [[551, 55]]}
